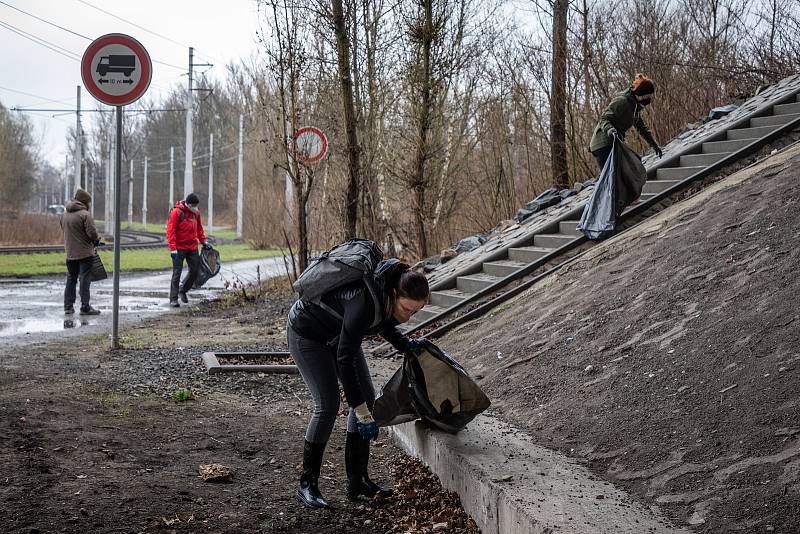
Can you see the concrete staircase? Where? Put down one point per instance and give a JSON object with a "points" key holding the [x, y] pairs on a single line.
{"points": [[566, 231]]}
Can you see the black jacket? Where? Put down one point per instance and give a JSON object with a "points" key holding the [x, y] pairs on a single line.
{"points": [[354, 303]]}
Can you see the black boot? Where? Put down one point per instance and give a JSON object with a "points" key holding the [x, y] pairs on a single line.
{"points": [[356, 460], [309, 494]]}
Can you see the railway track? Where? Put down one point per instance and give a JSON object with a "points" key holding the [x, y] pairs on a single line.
{"points": [[129, 239]]}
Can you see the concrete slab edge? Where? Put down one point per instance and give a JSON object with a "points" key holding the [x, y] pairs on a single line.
{"points": [[213, 366], [510, 485]]}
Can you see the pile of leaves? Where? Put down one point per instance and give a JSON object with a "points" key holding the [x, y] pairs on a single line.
{"points": [[420, 504]]}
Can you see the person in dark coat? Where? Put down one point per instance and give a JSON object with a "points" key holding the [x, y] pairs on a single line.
{"points": [[325, 343], [184, 231], [624, 111], [80, 240]]}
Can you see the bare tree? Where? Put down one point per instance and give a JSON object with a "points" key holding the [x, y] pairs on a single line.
{"points": [[558, 96]]}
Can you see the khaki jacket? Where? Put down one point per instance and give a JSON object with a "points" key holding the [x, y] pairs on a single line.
{"points": [[80, 233]]}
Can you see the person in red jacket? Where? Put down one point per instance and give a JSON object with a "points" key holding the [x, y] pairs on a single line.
{"points": [[184, 231]]}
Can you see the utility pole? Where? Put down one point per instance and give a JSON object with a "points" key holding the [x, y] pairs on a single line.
{"points": [[130, 197], [240, 184], [171, 178], [78, 148], [109, 176], [66, 178], [211, 184], [144, 197], [91, 192], [188, 178]]}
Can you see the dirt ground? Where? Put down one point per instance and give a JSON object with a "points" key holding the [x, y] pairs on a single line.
{"points": [[92, 441], [668, 358]]}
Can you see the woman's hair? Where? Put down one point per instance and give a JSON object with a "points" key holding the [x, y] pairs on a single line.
{"points": [[401, 281]]}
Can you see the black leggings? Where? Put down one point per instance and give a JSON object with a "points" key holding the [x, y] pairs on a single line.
{"points": [[317, 365]]}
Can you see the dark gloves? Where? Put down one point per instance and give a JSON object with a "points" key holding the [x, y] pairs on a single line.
{"points": [[612, 132], [98, 243], [173, 254], [658, 151], [365, 424], [416, 344], [206, 246]]}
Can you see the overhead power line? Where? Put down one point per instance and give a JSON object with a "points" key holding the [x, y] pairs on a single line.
{"points": [[45, 21], [38, 40], [110, 14], [35, 96], [32, 36]]}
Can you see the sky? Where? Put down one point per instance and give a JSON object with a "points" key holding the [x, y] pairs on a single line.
{"points": [[220, 30]]}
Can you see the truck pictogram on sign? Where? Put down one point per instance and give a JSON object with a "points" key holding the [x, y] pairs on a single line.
{"points": [[122, 64]]}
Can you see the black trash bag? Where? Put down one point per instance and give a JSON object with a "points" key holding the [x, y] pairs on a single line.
{"points": [[549, 197], [619, 184], [209, 266], [431, 386], [98, 269]]}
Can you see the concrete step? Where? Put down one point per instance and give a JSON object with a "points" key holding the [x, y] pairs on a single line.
{"points": [[447, 297], [677, 173], [782, 109], [701, 160], [714, 147], [750, 133], [475, 282], [528, 254], [426, 313], [552, 240], [502, 268], [569, 228], [646, 196], [657, 186], [774, 120]]}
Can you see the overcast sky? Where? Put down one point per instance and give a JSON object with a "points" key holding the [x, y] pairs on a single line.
{"points": [[220, 31]]}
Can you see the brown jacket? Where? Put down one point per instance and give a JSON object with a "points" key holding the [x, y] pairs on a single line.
{"points": [[80, 233]]}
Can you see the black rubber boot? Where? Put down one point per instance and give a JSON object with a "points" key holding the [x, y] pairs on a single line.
{"points": [[308, 493], [356, 461]]}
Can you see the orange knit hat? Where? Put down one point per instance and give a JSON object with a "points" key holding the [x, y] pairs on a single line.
{"points": [[642, 85]]}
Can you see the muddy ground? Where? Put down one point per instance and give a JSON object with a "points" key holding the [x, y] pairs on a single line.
{"points": [[92, 441], [668, 358]]}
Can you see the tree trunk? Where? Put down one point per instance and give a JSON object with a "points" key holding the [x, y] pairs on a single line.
{"points": [[350, 121], [558, 96], [425, 108]]}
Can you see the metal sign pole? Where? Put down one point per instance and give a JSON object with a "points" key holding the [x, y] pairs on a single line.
{"points": [[117, 204]]}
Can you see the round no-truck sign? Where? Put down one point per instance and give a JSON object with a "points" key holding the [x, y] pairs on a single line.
{"points": [[116, 69], [310, 143]]}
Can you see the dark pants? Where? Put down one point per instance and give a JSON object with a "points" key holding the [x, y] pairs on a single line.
{"points": [[192, 258], [601, 155], [316, 362], [78, 270]]}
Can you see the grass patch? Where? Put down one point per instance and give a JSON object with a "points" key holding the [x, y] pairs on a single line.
{"points": [[182, 395], [130, 260], [221, 232]]}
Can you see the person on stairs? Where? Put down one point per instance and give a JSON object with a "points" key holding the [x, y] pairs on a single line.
{"points": [[325, 343], [624, 111], [184, 231], [80, 240]]}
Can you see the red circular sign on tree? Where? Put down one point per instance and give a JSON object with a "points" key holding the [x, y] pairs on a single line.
{"points": [[310, 143], [116, 69]]}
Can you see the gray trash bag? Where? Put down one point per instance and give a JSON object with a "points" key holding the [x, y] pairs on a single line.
{"points": [[470, 243], [549, 197], [619, 184], [433, 387]]}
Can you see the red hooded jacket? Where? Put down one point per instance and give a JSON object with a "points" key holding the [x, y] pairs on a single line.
{"points": [[184, 234]]}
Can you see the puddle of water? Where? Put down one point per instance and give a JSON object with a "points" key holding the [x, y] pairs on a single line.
{"points": [[35, 326]]}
